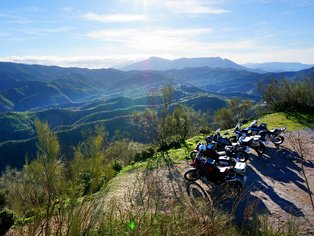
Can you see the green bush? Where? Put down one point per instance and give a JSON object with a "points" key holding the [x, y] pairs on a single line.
{"points": [[289, 96], [117, 165], [144, 155], [6, 221]]}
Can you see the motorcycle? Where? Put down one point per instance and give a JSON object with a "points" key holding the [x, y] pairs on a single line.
{"points": [[255, 142], [219, 141], [261, 130], [235, 152], [207, 170], [273, 135]]}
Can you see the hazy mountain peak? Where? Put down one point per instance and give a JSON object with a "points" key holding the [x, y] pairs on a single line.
{"points": [[156, 63]]}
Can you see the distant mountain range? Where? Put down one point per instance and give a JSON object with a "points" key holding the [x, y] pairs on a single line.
{"points": [[24, 87], [278, 66], [156, 63]]}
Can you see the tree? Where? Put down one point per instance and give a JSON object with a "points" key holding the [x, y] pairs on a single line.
{"points": [[154, 122], [235, 111], [37, 189], [90, 169], [287, 95]]}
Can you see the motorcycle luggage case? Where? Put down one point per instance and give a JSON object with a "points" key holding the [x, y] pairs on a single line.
{"points": [[240, 167]]}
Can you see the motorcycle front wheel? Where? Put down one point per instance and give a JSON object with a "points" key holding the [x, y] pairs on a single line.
{"points": [[234, 188], [241, 156], [193, 155], [278, 140], [192, 175]]}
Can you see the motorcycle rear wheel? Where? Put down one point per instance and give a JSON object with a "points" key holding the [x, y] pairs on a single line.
{"points": [[191, 175], [278, 140], [260, 149]]}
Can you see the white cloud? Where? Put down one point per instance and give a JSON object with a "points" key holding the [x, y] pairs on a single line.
{"points": [[239, 56], [193, 7], [151, 37], [105, 18], [78, 61], [10, 18], [67, 9], [303, 55], [38, 32]]}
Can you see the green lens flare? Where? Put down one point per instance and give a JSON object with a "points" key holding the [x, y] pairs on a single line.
{"points": [[132, 225]]}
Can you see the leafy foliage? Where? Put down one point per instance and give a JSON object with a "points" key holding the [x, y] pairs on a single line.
{"points": [[236, 111], [288, 95], [168, 127]]}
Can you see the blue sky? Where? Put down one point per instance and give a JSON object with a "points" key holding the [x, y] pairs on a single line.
{"points": [[98, 33]]}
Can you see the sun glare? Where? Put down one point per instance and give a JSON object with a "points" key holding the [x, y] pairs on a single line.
{"points": [[143, 5]]}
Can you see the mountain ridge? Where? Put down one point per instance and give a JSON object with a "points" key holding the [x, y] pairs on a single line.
{"points": [[157, 63]]}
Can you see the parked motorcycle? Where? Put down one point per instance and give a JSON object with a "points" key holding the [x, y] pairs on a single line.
{"points": [[273, 135], [208, 171], [255, 142], [219, 141], [235, 151]]}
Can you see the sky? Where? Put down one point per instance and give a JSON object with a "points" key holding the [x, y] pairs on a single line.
{"points": [[111, 33]]}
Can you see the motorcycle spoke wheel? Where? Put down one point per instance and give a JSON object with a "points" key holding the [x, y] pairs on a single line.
{"points": [[234, 188], [191, 175], [278, 140], [193, 155]]}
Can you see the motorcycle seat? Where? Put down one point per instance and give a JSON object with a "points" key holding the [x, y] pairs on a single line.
{"points": [[223, 169], [221, 153]]}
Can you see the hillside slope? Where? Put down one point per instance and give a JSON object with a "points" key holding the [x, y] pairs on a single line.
{"points": [[275, 188]]}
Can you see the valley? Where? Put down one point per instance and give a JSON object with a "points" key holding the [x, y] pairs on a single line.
{"points": [[75, 100]]}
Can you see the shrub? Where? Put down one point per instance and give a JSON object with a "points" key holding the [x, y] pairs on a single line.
{"points": [[6, 221], [117, 165]]}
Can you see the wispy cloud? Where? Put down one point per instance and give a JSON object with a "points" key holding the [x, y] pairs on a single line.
{"points": [[38, 32], [150, 34], [106, 18], [10, 18], [78, 61], [152, 40], [67, 9], [32, 9], [193, 7]]}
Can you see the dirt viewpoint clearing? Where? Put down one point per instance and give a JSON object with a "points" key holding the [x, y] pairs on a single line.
{"points": [[275, 186]]}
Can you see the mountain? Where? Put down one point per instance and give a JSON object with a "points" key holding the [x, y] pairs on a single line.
{"points": [[155, 63], [25, 87], [278, 66]]}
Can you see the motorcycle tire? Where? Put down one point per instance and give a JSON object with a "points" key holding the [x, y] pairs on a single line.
{"points": [[233, 139], [260, 149], [191, 175], [193, 155], [278, 140], [234, 187], [242, 156]]}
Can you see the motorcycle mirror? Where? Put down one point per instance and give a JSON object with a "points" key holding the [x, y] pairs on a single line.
{"points": [[253, 123], [218, 130]]}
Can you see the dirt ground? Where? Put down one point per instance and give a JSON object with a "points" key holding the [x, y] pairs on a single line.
{"points": [[277, 180]]}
